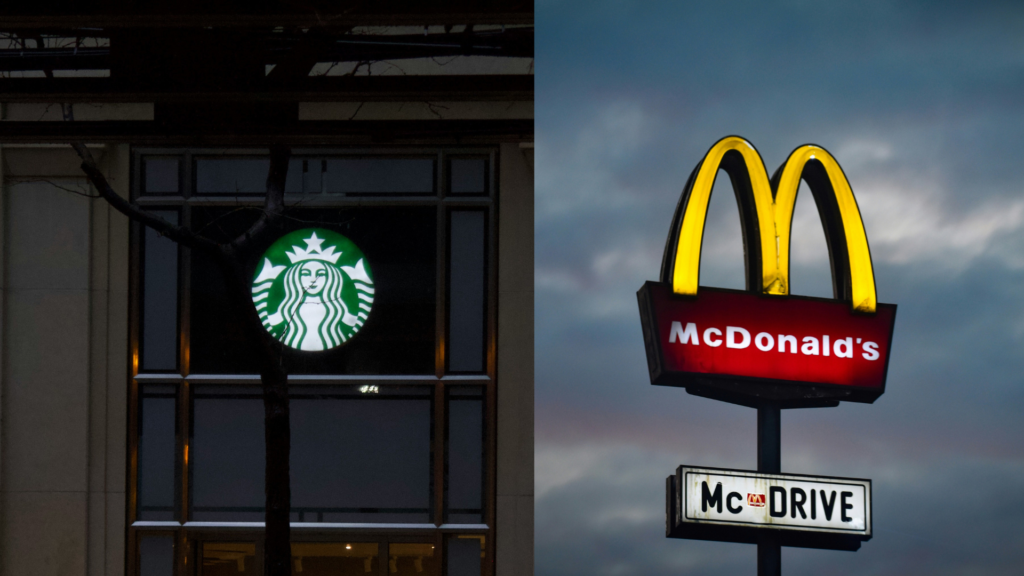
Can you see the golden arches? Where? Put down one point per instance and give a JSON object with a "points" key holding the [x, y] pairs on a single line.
{"points": [[768, 220]]}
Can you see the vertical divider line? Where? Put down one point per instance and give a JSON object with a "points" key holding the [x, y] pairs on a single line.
{"points": [[184, 359], [132, 453], [384, 556], [491, 389], [185, 297], [442, 291], [440, 444]]}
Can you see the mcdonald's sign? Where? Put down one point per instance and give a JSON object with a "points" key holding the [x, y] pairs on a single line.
{"points": [[763, 344]]}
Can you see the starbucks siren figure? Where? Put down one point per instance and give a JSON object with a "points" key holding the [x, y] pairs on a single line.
{"points": [[313, 311]]}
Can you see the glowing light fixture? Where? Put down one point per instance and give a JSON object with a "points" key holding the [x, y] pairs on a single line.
{"points": [[767, 215], [314, 289]]}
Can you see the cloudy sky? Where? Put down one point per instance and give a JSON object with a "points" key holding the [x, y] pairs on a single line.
{"points": [[923, 106]]}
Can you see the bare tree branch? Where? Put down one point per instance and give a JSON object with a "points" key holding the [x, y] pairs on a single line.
{"points": [[179, 234], [274, 205]]}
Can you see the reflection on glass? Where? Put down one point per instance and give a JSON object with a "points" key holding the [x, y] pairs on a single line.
{"points": [[156, 452], [468, 176], [465, 556], [360, 457], [379, 176], [465, 456], [160, 299], [228, 559], [466, 292], [232, 175], [160, 175], [156, 556], [334, 559], [412, 560], [227, 454]]}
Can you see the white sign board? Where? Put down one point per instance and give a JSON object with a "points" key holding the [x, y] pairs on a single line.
{"points": [[806, 503]]}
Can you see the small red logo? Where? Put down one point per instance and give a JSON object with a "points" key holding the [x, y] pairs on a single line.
{"points": [[755, 500]]}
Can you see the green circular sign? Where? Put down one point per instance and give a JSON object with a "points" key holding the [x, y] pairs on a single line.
{"points": [[314, 289]]}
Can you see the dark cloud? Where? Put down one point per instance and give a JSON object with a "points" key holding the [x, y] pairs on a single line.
{"points": [[920, 102]]}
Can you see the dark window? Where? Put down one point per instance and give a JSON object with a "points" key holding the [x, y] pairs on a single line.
{"points": [[161, 175], [465, 556], [219, 344], [464, 472], [380, 176], [157, 471], [466, 291], [156, 556], [361, 454], [305, 176], [160, 299], [227, 454], [467, 176], [232, 175]]}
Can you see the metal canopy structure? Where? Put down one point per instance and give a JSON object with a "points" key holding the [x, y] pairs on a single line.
{"points": [[223, 68]]}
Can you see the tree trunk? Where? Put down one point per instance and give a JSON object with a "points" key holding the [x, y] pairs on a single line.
{"points": [[277, 425], [232, 258]]}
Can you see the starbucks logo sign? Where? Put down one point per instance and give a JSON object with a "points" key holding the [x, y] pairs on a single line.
{"points": [[314, 289]]}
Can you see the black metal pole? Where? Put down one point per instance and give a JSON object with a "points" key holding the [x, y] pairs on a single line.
{"points": [[769, 460]]}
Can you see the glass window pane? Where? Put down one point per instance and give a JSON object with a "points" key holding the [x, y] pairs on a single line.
{"points": [[465, 456], [232, 175], [379, 176], [334, 558], [465, 556], [467, 176], [400, 332], [156, 556], [304, 176], [406, 559], [228, 559], [361, 453], [160, 175], [466, 292], [226, 458], [156, 452], [160, 298], [218, 341]]}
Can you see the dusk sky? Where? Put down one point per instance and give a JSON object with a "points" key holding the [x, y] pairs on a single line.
{"points": [[923, 106]]}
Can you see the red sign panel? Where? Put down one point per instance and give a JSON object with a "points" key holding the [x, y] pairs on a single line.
{"points": [[739, 336]]}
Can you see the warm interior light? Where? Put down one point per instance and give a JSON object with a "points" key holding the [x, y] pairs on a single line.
{"points": [[348, 546]]}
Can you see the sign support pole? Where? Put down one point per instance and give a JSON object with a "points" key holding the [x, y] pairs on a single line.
{"points": [[769, 460]]}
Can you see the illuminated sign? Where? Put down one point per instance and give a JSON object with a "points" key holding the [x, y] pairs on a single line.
{"points": [[747, 347], [733, 505], [314, 289]]}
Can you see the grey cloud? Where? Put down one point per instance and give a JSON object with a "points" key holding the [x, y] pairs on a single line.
{"points": [[920, 103]]}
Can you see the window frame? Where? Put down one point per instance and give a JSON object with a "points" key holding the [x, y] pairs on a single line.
{"points": [[189, 534]]}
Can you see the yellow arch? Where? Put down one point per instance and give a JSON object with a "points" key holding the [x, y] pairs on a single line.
{"points": [[862, 275], [691, 231], [775, 217]]}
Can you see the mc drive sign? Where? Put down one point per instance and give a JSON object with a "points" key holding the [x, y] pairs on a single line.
{"points": [[732, 504]]}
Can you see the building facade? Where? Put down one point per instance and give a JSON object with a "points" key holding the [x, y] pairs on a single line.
{"points": [[131, 419]]}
